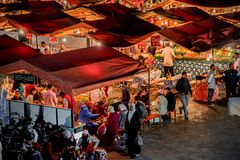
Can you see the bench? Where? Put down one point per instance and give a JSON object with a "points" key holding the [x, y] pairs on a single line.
{"points": [[148, 119]]}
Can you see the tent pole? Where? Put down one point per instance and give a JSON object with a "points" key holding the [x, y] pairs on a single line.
{"points": [[149, 85]]}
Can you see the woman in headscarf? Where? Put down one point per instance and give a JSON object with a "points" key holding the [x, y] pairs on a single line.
{"points": [[122, 116], [88, 144], [112, 127], [132, 126]]}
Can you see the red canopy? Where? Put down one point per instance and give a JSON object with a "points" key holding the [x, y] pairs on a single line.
{"points": [[202, 35], [115, 40], [183, 13], [212, 3], [42, 23], [111, 9], [81, 70], [12, 50], [235, 16], [127, 25]]}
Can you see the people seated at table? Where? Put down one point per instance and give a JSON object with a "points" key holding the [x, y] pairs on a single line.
{"points": [[112, 128], [140, 107], [132, 125], [162, 105], [17, 96], [49, 97], [88, 144], [122, 116], [99, 108], [170, 98], [68, 101], [85, 116]]}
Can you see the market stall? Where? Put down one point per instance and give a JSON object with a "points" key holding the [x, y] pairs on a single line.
{"points": [[80, 71]]}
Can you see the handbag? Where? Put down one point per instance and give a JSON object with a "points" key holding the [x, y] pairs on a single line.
{"points": [[139, 141]]}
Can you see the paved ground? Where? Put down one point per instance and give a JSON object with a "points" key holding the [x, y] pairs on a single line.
{"points": [[210, 134]]}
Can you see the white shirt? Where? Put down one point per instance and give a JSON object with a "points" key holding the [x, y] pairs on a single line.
{"points": [[65, 103], [29, 98], [43, 48], [168, 54]]}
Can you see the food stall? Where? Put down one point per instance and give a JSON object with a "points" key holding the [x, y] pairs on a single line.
{"points": [[73, 74]]}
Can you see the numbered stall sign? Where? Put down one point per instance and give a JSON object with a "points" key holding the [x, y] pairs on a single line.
{"points": [[53, 39]]}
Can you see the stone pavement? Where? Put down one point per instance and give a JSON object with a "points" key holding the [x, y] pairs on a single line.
{"points": [[209, 134]]}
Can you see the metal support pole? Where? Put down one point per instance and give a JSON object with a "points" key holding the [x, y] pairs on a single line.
{"points": [[149, 87]]}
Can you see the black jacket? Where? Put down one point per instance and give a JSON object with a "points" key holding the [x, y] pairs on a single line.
{"points": [[183, 86], [133, 126], [171, 101], [230, 77]]}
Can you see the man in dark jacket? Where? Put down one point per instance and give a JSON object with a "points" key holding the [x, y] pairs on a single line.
{"points": [[231, 79], [183, 87], [171, 99], [140, 107]]}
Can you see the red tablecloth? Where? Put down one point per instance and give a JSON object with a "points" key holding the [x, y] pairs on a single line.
{"points": [[200, 92]]}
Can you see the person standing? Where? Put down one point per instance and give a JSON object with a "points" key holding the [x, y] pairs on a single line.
{"points": [[168, 58], [44, 48], [112, 127], [125, 95], [231, 79], [132, 126], [237, 67], [49, 97], [211, 84], [183, 87], [68, 101]]}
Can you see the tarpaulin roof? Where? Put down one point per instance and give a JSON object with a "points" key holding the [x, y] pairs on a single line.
{"points": [[111, 9], [12, 50], [235, 16], [33, 6], [202, 35], [43, 23], [81, 70], [81, 2], [212, 3], [115, 40], [124, 25], [183, 13]]}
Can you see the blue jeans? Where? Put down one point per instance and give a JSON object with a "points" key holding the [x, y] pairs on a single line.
{"points": [[184, 100], [210, 95]]}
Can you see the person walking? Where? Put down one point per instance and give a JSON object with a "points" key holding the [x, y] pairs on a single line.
{"points": [[211, 84], [183, 87], [168, 58], [132, 126], [231, 79]]}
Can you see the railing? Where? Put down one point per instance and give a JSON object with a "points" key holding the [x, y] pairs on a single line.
{"points": [[57, 116]]}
